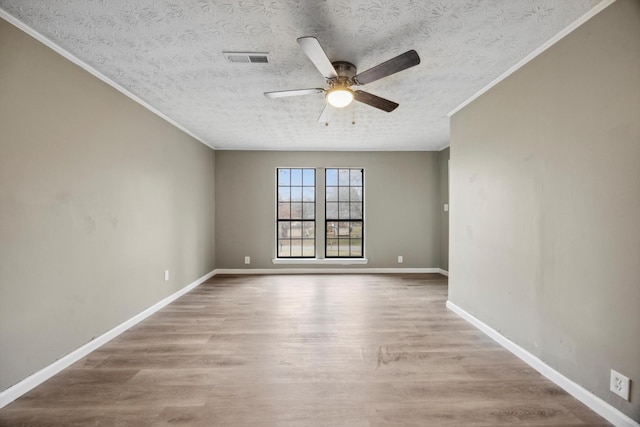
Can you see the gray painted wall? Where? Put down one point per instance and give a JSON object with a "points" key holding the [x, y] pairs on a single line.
{"points": [[97, 198], [443, 165], [545, 205], [401, 205]]}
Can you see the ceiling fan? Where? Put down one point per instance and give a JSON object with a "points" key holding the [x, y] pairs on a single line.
{"points": [[341, 75]]}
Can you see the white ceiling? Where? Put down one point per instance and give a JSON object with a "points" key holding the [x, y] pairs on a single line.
{"points": [[169, 53]]}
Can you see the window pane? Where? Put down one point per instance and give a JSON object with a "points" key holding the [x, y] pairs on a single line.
{"points": [[343, 245], [296, 210], [283, 229], [284, 195], [308, 210], [343, 210], [296, 194], [296, 247], [309, 229], [356, 229], [343, 177], [296, 229], [332, 210], [309, 194], [309, 177], [343, 195], [356, 247], [356, 211], [296, 176], [283, 248], [332, 229], [332, 247], [284, 210], [308, 247], [332, 194], [356, 177], [284, 177], [331, 177], [356, 194], [343, 229]]}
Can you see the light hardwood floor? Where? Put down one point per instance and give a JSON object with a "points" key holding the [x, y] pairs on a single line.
{"points": [[302, 350]]}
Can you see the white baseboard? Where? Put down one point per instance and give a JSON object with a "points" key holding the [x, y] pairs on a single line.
{"points": [[443, 272], [12, 393], [596, 404], [239, 271]]}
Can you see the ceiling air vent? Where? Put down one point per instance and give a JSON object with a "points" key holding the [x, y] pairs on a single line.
{"points": [[247, 57]]}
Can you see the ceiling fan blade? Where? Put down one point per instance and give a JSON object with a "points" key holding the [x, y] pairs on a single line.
{"points": [[295, 92], [314, 51], [374, 101], [392, 66]]}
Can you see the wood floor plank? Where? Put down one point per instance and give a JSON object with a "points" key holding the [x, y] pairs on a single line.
{"points": [[302, 350]]}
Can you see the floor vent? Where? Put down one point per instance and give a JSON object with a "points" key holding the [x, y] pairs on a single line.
{"points": [[247, 57]]}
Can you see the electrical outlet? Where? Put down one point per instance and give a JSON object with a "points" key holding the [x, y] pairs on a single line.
{"points": [[247, 260], [400, 259], [620, 384], [166, 275]]}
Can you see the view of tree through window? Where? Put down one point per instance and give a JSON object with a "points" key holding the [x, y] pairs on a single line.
{"points": [[296, 213], [344, 200]]}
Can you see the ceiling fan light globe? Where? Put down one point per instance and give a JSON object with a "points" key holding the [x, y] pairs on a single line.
{"points": [[340, 97]]}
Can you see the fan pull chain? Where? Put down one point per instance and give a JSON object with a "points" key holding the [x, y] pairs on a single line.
{"points": [[327, 110], [353, 114]]}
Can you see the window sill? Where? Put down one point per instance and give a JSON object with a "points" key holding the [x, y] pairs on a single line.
{"points": [[321, 261]]}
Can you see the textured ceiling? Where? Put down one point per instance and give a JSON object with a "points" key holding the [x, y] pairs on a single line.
{"points": [[169, 53]]}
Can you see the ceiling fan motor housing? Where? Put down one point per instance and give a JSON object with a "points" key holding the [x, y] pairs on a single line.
{"points": [[346, 72]]}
